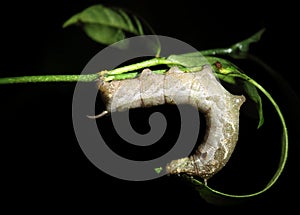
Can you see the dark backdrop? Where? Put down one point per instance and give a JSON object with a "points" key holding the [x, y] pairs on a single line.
{"points": [[43, 167]]}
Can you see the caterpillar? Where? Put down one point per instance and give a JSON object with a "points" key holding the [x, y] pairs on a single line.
{"points": [[201, 90]]}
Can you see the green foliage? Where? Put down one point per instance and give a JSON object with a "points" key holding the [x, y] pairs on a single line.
{"points": [[106, 25], [241, 49], [254, 96], [189, 61]]}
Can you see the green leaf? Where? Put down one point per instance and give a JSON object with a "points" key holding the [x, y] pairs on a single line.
{"points": [[188, 60], [254, 96], [240, 49], [105, 25], [103, 34]]}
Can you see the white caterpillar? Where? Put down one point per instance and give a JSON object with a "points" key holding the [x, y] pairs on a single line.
{"points": [[199, 89]]}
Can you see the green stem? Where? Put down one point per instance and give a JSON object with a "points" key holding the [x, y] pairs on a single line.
{"points": [[140, 65], [220, 51], [237, 50], [117, 73], [284, 150], [49, 78]]}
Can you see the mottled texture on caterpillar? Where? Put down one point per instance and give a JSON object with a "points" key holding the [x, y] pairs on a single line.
{"points": [[199, 89]]}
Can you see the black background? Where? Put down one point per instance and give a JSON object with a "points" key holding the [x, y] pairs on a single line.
{"points": [[43, 167]]}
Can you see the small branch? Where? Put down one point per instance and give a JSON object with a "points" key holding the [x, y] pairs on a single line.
{"points": [[136, 66], [284, 148], [49, 78], [237, 50]]}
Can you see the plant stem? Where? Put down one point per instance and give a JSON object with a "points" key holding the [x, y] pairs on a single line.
{"points": [[117, 73], [284, 149], [220, 51], [49, 78], [237, 50], [140, 65]]}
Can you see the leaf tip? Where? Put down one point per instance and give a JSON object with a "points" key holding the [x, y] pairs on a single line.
{"points": [[71, 21], [64, 25], [261, 122]]}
